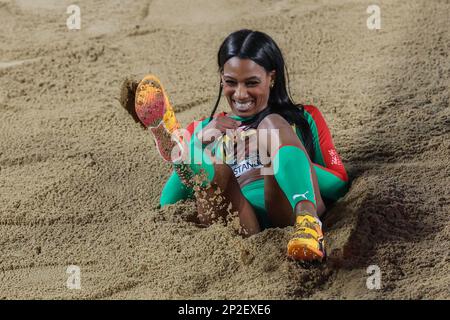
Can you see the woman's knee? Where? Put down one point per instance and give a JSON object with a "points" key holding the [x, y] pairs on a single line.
{"points": [[279, 132], [273, 121]]}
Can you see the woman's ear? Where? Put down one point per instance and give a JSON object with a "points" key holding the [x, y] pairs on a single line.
{"points": [[272, 75], [272, 79]]}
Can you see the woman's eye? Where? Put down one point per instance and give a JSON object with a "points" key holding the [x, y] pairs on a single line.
{"points": [[252, 83], [230, 83]]}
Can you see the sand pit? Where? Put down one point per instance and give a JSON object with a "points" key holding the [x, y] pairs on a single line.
{"points": [[80, 180]]}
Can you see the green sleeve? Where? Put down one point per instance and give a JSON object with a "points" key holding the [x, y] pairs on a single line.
{"points": [[174, 190]]}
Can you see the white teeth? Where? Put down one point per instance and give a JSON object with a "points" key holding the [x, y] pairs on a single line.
{"points": [[242, 106]]}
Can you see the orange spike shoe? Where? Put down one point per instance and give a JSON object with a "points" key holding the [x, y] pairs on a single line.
{"points": [[152, 104], [154, 110], [307, 243]]}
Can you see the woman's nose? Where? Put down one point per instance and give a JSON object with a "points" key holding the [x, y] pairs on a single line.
{"points": [[240, 93]]}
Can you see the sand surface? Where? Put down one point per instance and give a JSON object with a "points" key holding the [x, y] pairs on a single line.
{"points": [[80, 180]]}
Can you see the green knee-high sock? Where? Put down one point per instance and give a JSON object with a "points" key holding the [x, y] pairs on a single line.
{"points": [[293, 174], [199, 161], [174, 190]]}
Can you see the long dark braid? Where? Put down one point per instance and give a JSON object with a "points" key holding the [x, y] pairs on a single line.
{"points": [[217, 103]]}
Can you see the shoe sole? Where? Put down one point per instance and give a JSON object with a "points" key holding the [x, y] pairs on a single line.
{"points": [[153, 109], [305, 250], [152, 105]]}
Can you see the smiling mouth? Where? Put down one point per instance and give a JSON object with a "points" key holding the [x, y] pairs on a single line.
{"points": [[242, 107]]}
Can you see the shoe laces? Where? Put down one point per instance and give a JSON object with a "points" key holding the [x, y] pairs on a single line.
{"points": [[307, 226]]}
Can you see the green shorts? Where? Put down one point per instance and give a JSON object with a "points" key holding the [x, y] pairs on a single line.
{"points": [[254, 193]]}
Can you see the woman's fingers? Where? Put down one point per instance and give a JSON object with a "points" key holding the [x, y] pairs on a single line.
{"points": [[228, 123], [219, 125]]}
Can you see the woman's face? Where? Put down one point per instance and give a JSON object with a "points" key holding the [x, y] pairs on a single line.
{"points": [[246, 85]]}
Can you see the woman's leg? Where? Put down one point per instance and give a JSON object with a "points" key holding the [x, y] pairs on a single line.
{"points": [[280, 209], [220, 194], [292, 193], [216, 189]]}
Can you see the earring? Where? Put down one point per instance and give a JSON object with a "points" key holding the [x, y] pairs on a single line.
{"points": [[272, 83]]}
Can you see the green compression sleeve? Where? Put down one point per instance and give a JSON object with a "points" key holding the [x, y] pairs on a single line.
{"points": [[293, 173], [199, 160], [174, 190]]}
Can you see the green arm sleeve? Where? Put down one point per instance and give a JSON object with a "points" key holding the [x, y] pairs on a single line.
{"points": [[174, 190]]}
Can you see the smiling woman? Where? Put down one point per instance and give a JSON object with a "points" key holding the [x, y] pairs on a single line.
{"points": [[304, 165], [246, 85]]}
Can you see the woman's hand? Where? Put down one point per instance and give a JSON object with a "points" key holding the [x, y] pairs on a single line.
{"points": [[217, 127]]}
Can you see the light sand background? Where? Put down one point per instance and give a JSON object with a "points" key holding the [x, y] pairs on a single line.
{"points": [[80, 180]]}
